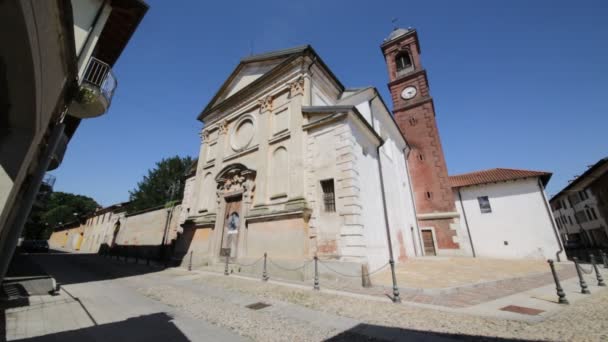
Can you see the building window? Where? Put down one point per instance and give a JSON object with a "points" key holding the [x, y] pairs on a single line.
{"points": [[574, 199], [484, 204], [580, 217], [329, 196], [592, 214], [413, 121], [570, 219], [429, 195], [421, 157], [403, 62]]}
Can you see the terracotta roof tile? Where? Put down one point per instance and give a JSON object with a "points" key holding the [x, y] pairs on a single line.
{"points": [[495, 175]]}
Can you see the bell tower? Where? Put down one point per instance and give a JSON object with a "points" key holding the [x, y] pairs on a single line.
{"points": [[414, 112]]}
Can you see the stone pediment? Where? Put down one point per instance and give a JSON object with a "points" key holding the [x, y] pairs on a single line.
{"points": [[249, 70], [245, 76]]}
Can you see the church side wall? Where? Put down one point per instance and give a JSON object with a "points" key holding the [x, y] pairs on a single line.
{"points": [[402, 217], [373, 224], [518, 225]]}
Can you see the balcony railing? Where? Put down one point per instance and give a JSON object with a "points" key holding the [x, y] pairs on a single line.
{"points": [[99, 74], [49, 180]]}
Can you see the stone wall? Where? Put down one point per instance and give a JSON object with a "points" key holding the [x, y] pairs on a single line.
{"points": [[148, 228]]}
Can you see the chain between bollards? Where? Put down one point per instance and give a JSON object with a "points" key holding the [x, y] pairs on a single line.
{"points": [[584, 289], [226, 266], [598, 276], [316, 285], [265, 272], [560, 292]]}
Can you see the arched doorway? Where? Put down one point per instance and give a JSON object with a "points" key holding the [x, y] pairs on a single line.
{"points": [[235, 190]]}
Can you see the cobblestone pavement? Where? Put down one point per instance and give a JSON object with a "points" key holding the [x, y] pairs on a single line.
{"points": [[476, 294], [521, 277], [445, 272], [136, 302]]}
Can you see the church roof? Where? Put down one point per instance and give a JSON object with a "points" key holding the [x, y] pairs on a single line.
{"points": [[277, 60], [496, 175], [275, 54]]}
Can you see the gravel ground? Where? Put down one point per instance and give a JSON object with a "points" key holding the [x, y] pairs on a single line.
{"points": [[586, 320]]}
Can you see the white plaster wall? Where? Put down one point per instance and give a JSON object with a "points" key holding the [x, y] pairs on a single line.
{"points": [[402, 216], [372, 213], [401, 211], [518, 216]]}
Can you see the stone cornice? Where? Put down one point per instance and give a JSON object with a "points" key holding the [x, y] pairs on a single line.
{"points": [[415, 104], [438, 216], [407, 77]]}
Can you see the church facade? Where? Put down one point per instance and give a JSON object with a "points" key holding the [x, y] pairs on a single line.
{"points": [[294, 164]]}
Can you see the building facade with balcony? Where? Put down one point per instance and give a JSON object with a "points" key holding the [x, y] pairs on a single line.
{"points": [[55, 69], [581, 208]]}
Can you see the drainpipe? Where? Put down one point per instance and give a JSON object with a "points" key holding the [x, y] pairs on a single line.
{"points": [[548, 208], [466, 223]]}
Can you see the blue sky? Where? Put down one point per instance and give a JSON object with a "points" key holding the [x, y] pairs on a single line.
{"points": [[520, 84]]}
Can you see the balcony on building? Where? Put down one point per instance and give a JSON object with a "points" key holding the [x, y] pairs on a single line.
{"points": [[95, 92]]}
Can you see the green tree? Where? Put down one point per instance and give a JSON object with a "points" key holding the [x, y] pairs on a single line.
{"points": [[162, 184], [57, 208]]}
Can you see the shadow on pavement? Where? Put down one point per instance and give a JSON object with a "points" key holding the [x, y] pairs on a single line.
{"points": [[69, 268], [368, 332], [153, 327]]}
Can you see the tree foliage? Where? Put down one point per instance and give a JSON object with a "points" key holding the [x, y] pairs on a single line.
{"points": [[162, 184], [56, 209]]}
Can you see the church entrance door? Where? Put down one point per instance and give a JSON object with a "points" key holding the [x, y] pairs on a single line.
{"points": [[232, 222]]}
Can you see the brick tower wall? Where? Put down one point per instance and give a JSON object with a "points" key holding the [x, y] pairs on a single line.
{"points": [[416, 119]]}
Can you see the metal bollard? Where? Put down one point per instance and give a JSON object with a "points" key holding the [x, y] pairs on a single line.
{"points": [[598, 276], [605, 259], [265, 272], [226, 267], [316, 286], [396, 297], [584, 289], [190, 263], [560, 292]]}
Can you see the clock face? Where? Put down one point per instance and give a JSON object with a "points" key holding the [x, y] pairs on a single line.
{"points": [[409, 92]]}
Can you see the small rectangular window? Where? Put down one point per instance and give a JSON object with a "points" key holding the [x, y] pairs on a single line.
{"points": [[570, 219], [329, 196], [484, 204]]}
